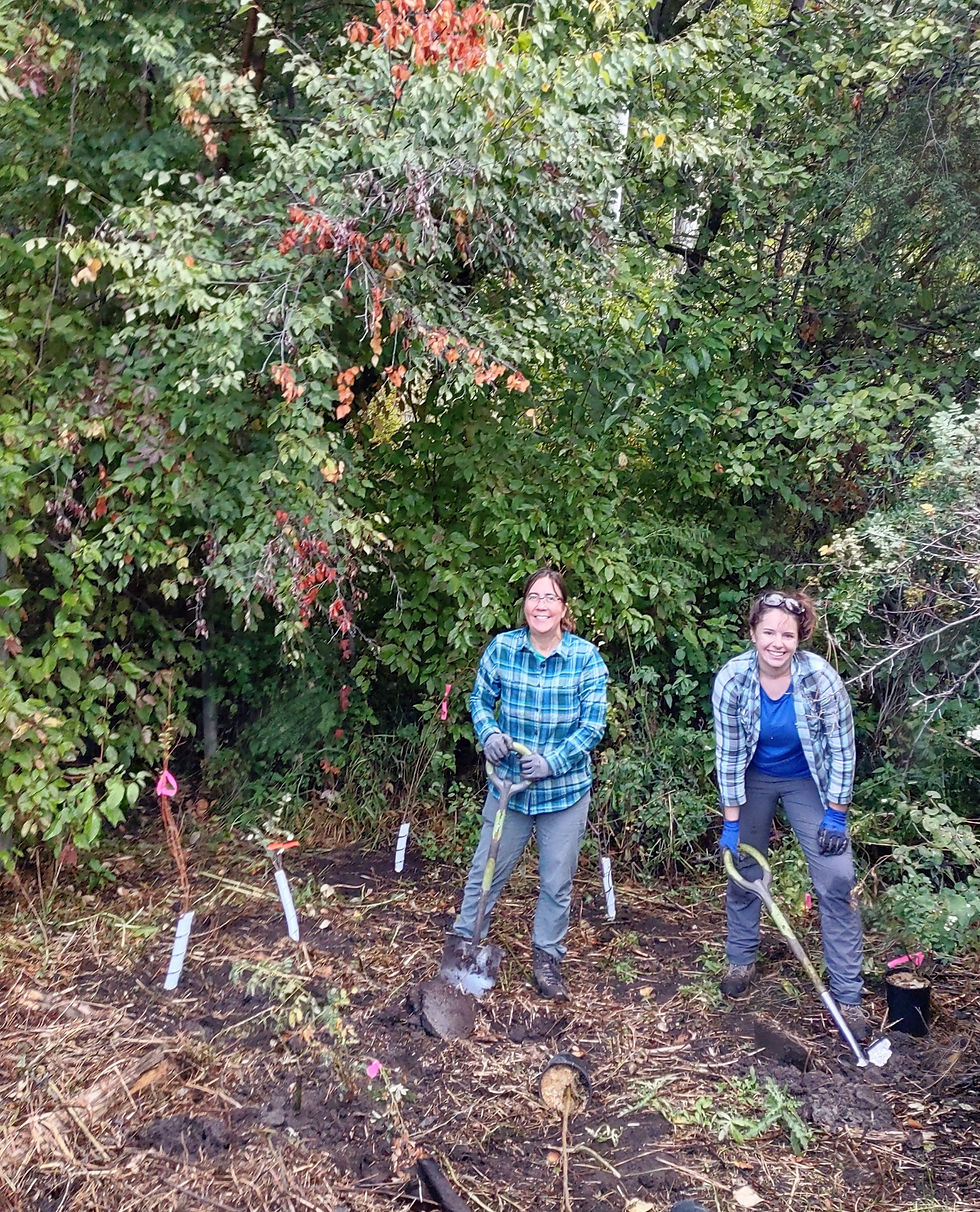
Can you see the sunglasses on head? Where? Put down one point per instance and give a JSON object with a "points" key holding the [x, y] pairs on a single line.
{"points": [[793, 605]]}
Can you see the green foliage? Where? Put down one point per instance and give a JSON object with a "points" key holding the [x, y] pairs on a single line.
{"points": [[704, 990], [740, 1110], [295, 359], [655, 794], [906, 587], [927, 892], [917, 911], [295, 1004]]}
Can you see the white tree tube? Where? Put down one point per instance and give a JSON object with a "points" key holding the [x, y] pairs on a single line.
{"points": [[181, 939], [288, 908], [401, 845], [605, 867]]}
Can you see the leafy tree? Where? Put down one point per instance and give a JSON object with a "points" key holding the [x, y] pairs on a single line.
{"points": [[324, 330]]}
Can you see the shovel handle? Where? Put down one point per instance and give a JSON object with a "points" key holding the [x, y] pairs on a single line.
{"points": [[505, 789], [733, 872], [761, 889], [499, 782]]}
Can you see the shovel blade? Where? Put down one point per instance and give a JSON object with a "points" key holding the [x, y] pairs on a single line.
{"points": [[879, 1052], [470, 968]]}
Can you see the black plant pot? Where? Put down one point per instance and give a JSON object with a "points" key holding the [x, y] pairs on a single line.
{"points": [[908, 994]]}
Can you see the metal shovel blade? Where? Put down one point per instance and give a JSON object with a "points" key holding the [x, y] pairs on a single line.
{"points": [[470, 968], [879, 1052]]}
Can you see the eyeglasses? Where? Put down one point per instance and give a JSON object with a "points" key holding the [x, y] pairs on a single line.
{"points": [[780, 599], [549, 599]]}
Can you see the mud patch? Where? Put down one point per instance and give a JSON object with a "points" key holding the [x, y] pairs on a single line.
{"points": [[190, 1138]]}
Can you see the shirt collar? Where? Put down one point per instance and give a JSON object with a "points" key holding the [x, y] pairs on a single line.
{"points": [[560, 651]]}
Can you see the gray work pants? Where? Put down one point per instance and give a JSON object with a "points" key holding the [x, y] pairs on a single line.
{"points": [[559, 837], [832, 876]]}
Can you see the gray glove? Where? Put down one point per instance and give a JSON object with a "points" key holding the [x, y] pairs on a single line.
{"points": [[497, 746], [534, 767]]}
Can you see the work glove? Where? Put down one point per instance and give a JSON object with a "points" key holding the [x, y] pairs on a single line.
{"points": [[729, 839], [534, 767], [832, 836], [497, 746]]}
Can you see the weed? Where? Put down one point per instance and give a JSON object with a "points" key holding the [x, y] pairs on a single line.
{"points": [[624, 969], [739, 1110], [294, 1007], [703, 990], [645, 1093], [621, 962]]}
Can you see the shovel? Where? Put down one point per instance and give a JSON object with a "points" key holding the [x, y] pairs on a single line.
{"points": [[877, 1052], [464, 963]]}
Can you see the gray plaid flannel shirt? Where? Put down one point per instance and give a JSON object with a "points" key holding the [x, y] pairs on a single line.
{"points": [[824, 724]]}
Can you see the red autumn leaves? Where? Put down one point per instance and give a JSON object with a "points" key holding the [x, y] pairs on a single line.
{"points": [[313, 231], [426, 36], [314, 565], [414, 37]]}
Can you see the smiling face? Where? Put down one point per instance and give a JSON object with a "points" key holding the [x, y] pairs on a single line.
{"points": [[776, 637], [543, 617]]}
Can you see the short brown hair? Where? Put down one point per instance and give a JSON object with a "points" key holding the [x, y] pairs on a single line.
{"points": [[795, 602], [553, 575]]}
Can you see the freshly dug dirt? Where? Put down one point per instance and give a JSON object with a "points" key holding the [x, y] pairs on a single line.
{"points": [[317, 1075]]}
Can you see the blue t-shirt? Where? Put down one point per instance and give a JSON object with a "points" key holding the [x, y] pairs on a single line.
{"points": [[779, 752]]}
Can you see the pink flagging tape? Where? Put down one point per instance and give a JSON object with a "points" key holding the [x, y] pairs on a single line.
{"points": [[915, 958], [167, 785]]}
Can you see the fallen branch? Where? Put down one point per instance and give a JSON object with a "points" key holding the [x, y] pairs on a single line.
{"points": [[664, 1162], [42, 1132], [73, 1008]]}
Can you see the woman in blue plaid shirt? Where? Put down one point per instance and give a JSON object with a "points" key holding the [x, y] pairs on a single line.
{"points": [[544, 687], [784, 733]]}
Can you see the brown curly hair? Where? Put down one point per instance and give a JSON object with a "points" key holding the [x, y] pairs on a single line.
{"points": [[805, 615]]}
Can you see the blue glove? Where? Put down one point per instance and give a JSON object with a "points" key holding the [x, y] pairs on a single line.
{"points": [[497, 746], [729, 838], [534, 767], [832, 836]]}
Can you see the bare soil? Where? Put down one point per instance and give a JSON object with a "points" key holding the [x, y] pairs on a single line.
{"points": [[302, 1076]]}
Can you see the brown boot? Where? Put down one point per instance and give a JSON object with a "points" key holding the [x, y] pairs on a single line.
{"points": [[857, 1021], [736, 981], [547, 976]]}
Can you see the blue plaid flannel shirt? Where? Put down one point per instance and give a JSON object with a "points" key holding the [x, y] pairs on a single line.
{"points": [[556, 705], [824, 724]]}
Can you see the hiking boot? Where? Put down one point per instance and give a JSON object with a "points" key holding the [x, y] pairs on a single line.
{"points": [[547, 976], [857, 1021], [736, 981]]}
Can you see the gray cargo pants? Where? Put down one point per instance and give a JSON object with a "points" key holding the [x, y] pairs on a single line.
{"points": [[832, 876], [559, 837]]}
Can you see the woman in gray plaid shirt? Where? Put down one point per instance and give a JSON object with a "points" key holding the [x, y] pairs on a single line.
{"points": [[784, 734]]}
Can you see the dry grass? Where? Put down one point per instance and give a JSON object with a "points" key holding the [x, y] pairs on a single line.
{"points": [[252, 1093]]}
